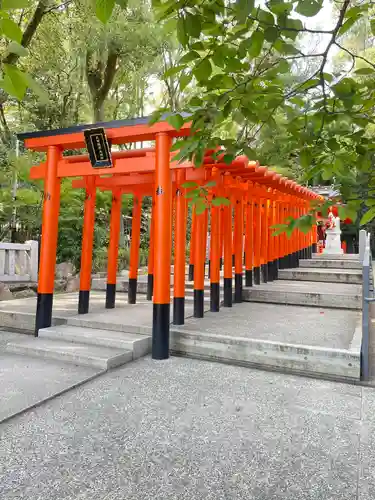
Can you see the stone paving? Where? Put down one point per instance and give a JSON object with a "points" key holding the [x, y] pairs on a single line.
{"points": [[188, 429], [280, 323], [26, 381]]}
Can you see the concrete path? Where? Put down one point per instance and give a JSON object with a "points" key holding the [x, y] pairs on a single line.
{"points": [[192, 430], [26, 381]]}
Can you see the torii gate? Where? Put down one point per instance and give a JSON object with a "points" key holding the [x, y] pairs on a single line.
{"points": [[258, 197]]}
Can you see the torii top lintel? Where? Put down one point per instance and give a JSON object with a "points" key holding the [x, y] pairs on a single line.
{"points": [[118, 132]]}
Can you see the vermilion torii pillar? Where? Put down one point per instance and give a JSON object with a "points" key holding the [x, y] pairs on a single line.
{"points": [[162, 248], [87, 247], [180, 251], [134, 248], [114, 239], [47, 262]]}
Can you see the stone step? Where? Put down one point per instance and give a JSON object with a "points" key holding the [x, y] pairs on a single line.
{"points": [[336, 363], [74, 353], [139, 345], [330, 263], [327, 275], [328, 256], [306, 293]]}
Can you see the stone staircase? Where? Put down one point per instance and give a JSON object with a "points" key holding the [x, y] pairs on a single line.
{"points": [[111, 338], [82, 345], [316, 305]]}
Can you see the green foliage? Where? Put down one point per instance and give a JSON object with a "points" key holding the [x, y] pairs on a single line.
{"points": [[246, 74]]}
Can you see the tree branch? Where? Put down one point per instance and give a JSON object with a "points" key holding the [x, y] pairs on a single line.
{"points": [[30, 31]]}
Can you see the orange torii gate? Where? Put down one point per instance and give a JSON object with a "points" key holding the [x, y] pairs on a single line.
{"points": [[258, 199]]}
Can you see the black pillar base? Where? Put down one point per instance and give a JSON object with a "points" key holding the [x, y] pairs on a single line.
{"points": [[264, 269], [110, 296], [160, 331], [296, 259], [132, 291], [191, 272], [150, 286], [43, 311], [276, 269], [314, 248], [238, 281], [178, 310], [228, 293], [270, 271], [233, 260], [215, 297], [83, 301], [198, 303], [248, 277], [256, 275]]}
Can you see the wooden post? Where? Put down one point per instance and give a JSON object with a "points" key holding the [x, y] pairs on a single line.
{"points": [[47, 263], [114, 239], [180, 251], [238, 240], [150, 273], [134, 248], [162, 248], [249, 231], [199, 258], [87, 247], [215, 251]]}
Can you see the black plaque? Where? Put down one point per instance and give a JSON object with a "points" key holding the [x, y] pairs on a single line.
{"points": [[98, 148]]}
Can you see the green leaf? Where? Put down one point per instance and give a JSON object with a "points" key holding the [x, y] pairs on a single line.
{"points": [[37, 89], [104, 9], [203, 70], [174, 70], [200, 206], [193, 25], [256, 40], [279, 7], [368, 216], [176, 121], [309, 8], [264, 16], [279, 229], [17, 79], [305, 158], [156, 115], [14, 4], [11, 30], [16, 48], [243, 9], [210, 184], [271, 34], [189, 184], [310, 84], [348, 24], [364, 71], [190, 56], [182, 35], [333, 144], [216, 202], [122, 3], [185, 79], [7, 85]]}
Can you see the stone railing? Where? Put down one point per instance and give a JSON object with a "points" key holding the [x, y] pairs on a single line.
{"points": [[367, 297], [19, 261]]}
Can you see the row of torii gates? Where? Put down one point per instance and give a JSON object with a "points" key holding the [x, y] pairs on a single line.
{"points": [[240, 232]]}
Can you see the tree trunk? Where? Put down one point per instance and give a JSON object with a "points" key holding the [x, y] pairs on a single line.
{"points": [[100, 78]]}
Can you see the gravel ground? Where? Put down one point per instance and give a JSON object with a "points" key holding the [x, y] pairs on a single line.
{"points": [[189, 429]]}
